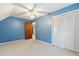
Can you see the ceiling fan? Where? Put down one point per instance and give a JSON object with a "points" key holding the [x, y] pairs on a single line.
{"points": [[31, 11]]}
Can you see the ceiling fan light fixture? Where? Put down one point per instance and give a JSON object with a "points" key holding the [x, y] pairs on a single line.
{"points": [[32, 16]]}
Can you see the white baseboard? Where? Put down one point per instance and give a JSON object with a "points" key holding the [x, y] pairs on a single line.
{"points": [[11, 42], [44, 42]]}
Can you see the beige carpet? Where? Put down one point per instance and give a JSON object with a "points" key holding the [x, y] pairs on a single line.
{"points": [[33, 48]]}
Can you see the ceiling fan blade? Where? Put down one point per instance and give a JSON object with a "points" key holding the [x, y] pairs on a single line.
{"points": [[20, 5], [42, 12], [34, 7], [21, 13]]}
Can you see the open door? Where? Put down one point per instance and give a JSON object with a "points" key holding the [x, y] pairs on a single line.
{"points": [[28, 31]]}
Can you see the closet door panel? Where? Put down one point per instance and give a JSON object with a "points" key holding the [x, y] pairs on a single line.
{"points": [[61, 35], [56, 30], [77, 32], [69, 31]]}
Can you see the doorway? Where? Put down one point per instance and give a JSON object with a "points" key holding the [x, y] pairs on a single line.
{"points": [[34, 30], [28, 30]]}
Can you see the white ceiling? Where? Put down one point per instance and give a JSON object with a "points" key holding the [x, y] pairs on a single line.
{"points": [[21, 9], [5, 10]]}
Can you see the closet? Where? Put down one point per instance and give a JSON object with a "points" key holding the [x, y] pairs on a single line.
{"points": [[66, 30]]}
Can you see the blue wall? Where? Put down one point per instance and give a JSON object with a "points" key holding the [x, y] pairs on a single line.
{"points": [[43, 32], [43, 29], [11, 29]]}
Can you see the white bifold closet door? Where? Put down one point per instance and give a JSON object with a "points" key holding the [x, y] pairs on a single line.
{"points": [[58, 31], [69, 31], [77, 32], [64, 31]]}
